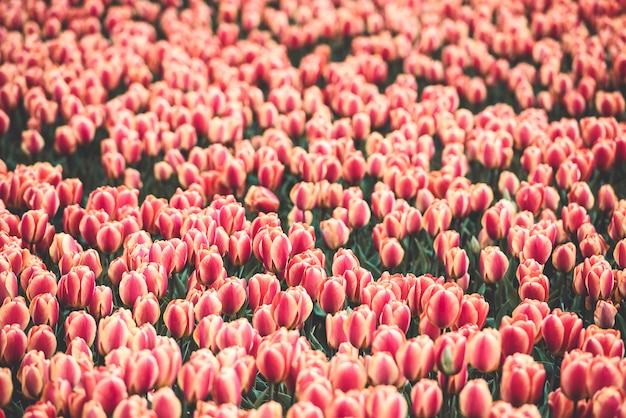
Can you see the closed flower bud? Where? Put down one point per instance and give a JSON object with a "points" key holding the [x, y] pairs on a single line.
{"points": [[179, 318], [522, 380], [426, 398], [493, 264], [475, 399]]}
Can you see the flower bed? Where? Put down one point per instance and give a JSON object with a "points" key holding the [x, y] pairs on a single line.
{"points": [[319, 208]]}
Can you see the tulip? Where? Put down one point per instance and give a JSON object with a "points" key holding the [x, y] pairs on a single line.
{"points": [[416, 358], [534, 286], [574, 374], [210, 266], [76, 288], [196, 377], [522, 380], [437, 218], [274, 360], [561, 331], [15, 338], [8, 285], [166, 404], [14, 312], [450, 353], [33, 225], [335, 332], [272, 247], [41, 338], [262, 288], [387, 401], [113, 332], [179, 318], [564, 257], [359, 326], [131, 407], [484, 350], [474, 310], [109, 392], [334, 232], [44, 310], [456, 262], [6, 386], [426, 398], [141, 372], [444, 304], [475, 399], [391, 252], [292, 307], [518, 334], [445, 241], [33, 374], [396, 313], [332, 294], [603, 372], [383, 370], [493, 264], [312, 279], [232, 294], [347, 373], [604, 314]]}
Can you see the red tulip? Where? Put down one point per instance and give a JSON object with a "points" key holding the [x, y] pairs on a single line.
{"points": [[604, 314], [14, 337], [263, 321], [166, 404], [334, 232], [179, 318], [416, 358], [6, 391], [291, 307], [141, 372], [262, 288], [33, 225], [443, 306], [391, 252], [76, 288], [484, 350], [14, 312], [522, 379], [426, 398], [475, 399], [493, 264], [335, 332], [41, 338], [113, 332], [196, 377], [146, 309], [274, 360], [33, 374], [44, 309], [518, 334], [564, 257], [437, 218], [332, 294]]}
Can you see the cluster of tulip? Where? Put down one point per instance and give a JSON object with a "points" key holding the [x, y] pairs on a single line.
{"points": [[323, 208]]}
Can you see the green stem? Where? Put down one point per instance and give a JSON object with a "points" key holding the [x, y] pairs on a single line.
{"points": [[445, 412], [272, 391]]}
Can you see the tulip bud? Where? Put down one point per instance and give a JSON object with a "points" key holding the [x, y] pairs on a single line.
{"points": [[165, 403], [6, 386], [426, 398], [179, 318], [522, 380], [475, 399]]}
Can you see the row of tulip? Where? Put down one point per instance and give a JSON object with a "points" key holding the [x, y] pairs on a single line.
{"points": [[473, 239]]}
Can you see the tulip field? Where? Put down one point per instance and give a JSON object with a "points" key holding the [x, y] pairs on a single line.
{"points": [[312, 208]]}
